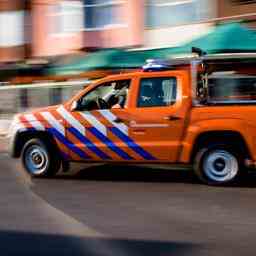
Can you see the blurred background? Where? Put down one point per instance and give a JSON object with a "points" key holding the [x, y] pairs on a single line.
{"points": [[63, 43]]}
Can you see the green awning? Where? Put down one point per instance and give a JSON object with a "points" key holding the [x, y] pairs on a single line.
{"points": [[226, 38], [110, 60], [232, 37], [105, 59]]}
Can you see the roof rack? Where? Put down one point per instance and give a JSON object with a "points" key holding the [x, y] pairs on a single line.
{"points": [[225, 56]]}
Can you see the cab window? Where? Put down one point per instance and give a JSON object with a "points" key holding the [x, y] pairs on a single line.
{"points": [[105, 96], [157, 92]]}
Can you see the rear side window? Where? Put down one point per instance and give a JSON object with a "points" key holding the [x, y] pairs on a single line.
{"points": [[232, 89], [157, 92]]}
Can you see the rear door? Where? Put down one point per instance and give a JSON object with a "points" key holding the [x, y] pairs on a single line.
{"points": [[158, 113]]}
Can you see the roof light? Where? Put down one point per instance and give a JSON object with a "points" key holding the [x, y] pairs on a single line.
{"points": [[156, 65], [161, 65]]}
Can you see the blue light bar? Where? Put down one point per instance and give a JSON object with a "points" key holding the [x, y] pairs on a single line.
{"points": [[156, 65], [166, 64]]}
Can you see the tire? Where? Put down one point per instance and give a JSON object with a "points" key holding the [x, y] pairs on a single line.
{"points": [[218, 165], [39, 159]]}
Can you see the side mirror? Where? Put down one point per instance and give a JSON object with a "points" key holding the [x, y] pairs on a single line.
{"points": [[74, 106]]}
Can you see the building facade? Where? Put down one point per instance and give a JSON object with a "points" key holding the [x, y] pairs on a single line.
{"points": [[171, 23], [60, 27], [43, 28], [12, 30], [237, 10]]}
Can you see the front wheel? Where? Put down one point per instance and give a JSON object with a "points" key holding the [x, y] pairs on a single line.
{"points": [[218, 165], [39, 159]]}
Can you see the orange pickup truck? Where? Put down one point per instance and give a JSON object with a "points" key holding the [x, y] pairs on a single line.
{"points": [[199, 111]]}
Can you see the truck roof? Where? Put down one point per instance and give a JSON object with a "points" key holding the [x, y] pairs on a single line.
{"points": [[184, 62], [225, 60], [139, 73]]}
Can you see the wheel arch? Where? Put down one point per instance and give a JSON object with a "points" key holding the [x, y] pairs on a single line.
{"points": [[228, 137], [22, 137]]}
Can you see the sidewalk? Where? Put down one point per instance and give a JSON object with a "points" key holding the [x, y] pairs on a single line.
{"points": [[4, 126]]}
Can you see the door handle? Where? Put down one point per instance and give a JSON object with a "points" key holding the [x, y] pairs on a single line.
{"points": [[139, 131], [172, 118]]}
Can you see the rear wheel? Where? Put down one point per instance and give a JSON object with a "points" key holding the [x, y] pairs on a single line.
{"points": [[39, 159], [217, 165]]}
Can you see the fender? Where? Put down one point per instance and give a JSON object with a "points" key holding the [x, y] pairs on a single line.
{"points": [[20, 132], [216, 125]]}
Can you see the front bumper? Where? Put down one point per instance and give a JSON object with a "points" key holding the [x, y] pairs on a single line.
{"points": [[12, 145], [12, 136]]}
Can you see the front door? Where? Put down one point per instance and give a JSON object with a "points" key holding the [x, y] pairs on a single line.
{"points": [[91, 128]]}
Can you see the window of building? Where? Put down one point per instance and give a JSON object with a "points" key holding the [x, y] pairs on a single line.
{"points": [[75, 16], [69, 16], [12, 32], [177, 12], [157, 92], [103, 13]]}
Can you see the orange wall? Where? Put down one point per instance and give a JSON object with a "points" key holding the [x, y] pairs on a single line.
{"points": [[45, 41], [227, 8], [17, 52]]}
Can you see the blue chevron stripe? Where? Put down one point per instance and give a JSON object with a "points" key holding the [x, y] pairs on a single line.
{"points": [[68, 143], [89, 144], [109, 143], [131, 144]]}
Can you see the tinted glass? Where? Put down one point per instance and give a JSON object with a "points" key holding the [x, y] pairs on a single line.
{"points": [[232, 88], [157, 92], [99, 92]]}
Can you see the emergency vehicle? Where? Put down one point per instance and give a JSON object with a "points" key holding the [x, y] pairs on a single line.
{"points": [[198, 110]]}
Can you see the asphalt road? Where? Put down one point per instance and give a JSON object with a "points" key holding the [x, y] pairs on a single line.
{"points": [[103, 210]]}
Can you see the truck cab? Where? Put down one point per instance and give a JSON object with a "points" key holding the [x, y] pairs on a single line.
{"points": [[162, 114]]}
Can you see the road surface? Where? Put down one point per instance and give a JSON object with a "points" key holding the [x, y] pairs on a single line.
{"points": [[103, 210]]}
